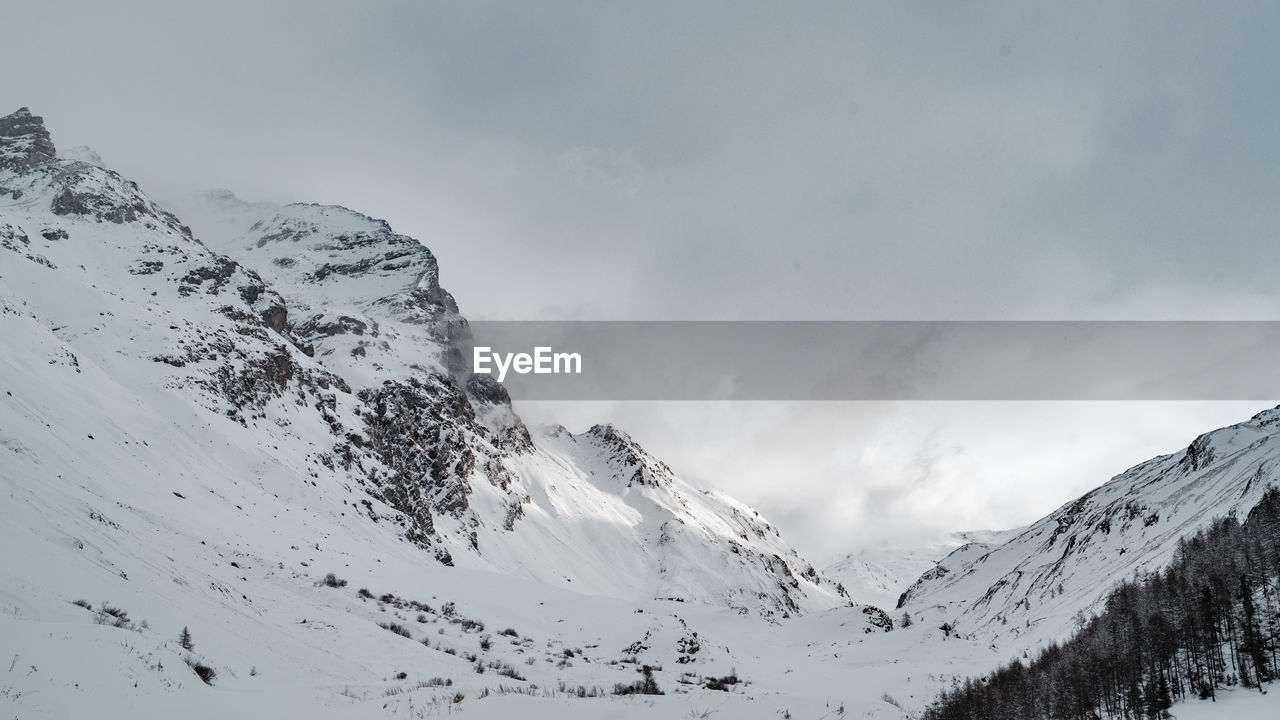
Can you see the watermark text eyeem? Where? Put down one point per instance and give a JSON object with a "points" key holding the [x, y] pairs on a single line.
{"points": [[543, 361]]}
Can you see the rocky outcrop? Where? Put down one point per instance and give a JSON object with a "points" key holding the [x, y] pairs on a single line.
{"points": [[13, 238], [422, 434], [24, 141], [80, 188], [493, 408], [630, 463], [104, 196]]}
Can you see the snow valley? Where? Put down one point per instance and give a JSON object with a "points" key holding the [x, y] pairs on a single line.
{"points": [[243, 475]]}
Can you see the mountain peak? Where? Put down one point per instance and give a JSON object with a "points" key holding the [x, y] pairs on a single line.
{"points": [[24, 141], [610, 432], [631, 462]]}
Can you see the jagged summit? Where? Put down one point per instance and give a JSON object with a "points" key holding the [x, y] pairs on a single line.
{"points": [[75, 185], [628, 461], [24, 141]]}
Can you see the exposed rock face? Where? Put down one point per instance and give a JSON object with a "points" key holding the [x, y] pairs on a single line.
{"points": [[24, 141], [419, 430], [483, 388], [13, 238], [877, 618], [493, 409], [276, 317], [71, 202], [102, 195]]}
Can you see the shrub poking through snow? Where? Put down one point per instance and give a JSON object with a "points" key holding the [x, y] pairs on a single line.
{"points": [[396, 628], [723, 683], [644, 686], [113, 616], [204, 672]]}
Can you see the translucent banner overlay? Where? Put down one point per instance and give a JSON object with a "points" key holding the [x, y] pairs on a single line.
{"points": [[873, 360]]}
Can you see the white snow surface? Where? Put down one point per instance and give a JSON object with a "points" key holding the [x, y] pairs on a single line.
{"points": [[1231, 703]]}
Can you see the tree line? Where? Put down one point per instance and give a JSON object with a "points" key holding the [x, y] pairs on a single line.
{"points": [[1211, 619]]}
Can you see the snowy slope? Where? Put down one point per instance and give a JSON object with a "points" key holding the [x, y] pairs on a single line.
{"points": [[879, 575], [1029, 589], [1234, 703]]}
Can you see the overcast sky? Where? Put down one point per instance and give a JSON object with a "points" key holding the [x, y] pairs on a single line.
{"points": [[743, 160]]}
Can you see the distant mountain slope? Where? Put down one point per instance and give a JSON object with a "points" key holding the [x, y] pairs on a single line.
{"points": [[1030, 589], [1201, 625], [879, 575]]}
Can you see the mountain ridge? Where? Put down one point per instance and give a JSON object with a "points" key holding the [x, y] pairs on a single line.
{"points": [[328, 331], [1015, 592]]}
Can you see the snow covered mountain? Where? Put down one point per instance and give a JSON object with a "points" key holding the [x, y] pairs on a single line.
{"points": [[878, 575], [324, 343], [200, 442], [1031, 588]]}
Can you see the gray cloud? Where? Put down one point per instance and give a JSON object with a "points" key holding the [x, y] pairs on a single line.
{"points": [[839, 161]]}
